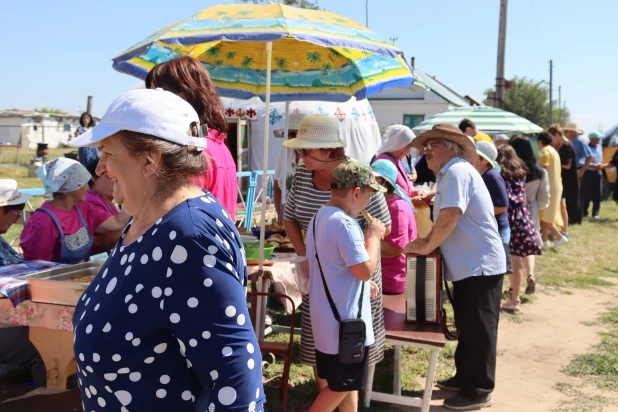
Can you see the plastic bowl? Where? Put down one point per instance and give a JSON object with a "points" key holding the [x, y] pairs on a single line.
{"points": [[252, 250]]}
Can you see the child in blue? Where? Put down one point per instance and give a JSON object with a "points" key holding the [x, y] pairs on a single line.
{"points": [[347, 260]]}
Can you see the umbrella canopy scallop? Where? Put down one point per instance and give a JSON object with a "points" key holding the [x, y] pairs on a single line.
{"points": [[317, 55], [487, 120]]}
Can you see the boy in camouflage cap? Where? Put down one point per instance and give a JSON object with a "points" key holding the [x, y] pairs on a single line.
{"points": [[347, 260]]}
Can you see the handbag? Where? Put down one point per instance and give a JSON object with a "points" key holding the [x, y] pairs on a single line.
{"points": [[352, 332]]}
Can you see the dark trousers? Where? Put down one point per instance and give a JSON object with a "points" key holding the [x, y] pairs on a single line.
{"points": [[16, 349], [591, 191], [477, 310]]}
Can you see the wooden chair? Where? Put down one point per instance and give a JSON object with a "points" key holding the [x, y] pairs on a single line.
{"points": [[285, 350]]}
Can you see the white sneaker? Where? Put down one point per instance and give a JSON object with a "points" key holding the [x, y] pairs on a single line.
{"points": [[560, 241], [545, 244]]}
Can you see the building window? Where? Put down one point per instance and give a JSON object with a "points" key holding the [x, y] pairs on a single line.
{"points": [[67, 127], [413, 120], [35, 128]]}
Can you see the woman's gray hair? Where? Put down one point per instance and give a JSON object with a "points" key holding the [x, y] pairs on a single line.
{"points": [[458, 151]]}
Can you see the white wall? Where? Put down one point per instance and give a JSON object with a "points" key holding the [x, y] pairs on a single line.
{"points": [[14, 128], [390, 112], [10, 129]]}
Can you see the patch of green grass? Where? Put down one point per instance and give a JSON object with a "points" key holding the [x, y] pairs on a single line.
{"points": [[578, 399], [589, 323], [601, 366]]}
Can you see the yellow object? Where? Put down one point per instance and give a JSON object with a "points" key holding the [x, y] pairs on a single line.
{"points": [[423, 220], [483, 136], [608, 154], [550, 160]]}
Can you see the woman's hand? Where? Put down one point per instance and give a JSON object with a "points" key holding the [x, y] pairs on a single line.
{"points": [[373, 289]]}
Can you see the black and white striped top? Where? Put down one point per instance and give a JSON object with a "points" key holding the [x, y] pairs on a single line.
{"points": [[304, 200]]}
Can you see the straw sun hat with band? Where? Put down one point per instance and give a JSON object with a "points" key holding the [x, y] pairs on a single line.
{"points": [[316, 132], [489, 152], [449, 133]]}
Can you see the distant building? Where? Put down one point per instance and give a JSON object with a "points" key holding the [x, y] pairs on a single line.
{"points": [[28, 127], [411, 105]]}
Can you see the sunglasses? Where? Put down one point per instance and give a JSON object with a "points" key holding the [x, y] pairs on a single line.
{"points": [[292, 134], [430, 146], [304, 152]]}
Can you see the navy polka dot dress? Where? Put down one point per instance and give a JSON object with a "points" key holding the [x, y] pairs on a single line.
{"points": [[164, 326]]}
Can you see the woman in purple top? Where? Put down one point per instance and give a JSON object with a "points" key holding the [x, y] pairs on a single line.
{"points": [[397, 145]]}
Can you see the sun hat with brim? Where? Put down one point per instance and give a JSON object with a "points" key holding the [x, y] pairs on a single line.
{"points": [[10, 195], [489, 152], [316, 131], [386, 170], [501, 138], [154, 112], [396, 137], [351, 174], [573, 128], [293, 124], [595, 135], [449, 133]]}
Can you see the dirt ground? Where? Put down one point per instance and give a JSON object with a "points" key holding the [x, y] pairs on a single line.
{"points": [[532, 353]]}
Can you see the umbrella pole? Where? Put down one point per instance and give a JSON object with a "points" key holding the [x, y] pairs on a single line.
{"points": [[261, 302], [284, 189]]}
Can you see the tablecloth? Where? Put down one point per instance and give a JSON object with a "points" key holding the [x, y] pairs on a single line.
{"points": [[12, 282], [29, 313], [283, 278]]}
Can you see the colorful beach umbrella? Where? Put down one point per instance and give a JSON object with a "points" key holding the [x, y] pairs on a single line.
{"points": [[487, 119], [316, 55]]}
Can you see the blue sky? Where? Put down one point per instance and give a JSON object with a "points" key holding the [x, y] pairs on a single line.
{"points": [[55, 54]]}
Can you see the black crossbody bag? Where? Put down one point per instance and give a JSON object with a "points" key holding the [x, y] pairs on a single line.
{"points": [[352, 332]]}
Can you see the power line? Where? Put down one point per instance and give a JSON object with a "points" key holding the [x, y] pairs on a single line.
{"points": [[393, 39]]}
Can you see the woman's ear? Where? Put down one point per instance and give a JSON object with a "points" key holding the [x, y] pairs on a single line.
{"points": [[150, 162]]}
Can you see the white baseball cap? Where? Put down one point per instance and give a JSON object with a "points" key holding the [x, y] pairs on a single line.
{"points": [[157, 113], [9, 195]]}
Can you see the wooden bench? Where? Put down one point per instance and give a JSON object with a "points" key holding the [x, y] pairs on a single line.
{"points": [[400, 333]]}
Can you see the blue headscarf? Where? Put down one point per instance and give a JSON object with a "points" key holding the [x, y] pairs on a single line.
{"points": [[63, 175], [387, 170]]}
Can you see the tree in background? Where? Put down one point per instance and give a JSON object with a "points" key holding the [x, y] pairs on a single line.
{"points": [[303, 4], [530, 99], [50, 110]]}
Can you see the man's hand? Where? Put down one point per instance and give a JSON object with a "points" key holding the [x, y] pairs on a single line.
{"points": [[376, 229], [417, 246], [580, 172]]}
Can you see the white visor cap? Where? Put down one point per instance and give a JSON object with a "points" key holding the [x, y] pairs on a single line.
{"points": [[156, 113]]}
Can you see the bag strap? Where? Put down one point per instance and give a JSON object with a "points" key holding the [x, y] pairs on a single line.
{"points": [[328, 296]]}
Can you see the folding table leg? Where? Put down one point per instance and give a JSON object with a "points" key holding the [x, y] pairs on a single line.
{"points": [[431, 373], [369, 385], [397, 371]]}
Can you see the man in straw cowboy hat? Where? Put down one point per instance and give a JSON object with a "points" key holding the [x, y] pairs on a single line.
{"points": [[15, 346], [466, 231], [583, 153]]}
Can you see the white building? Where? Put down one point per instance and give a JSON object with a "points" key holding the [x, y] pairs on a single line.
{"points": [[411, 105], [27, 128]]}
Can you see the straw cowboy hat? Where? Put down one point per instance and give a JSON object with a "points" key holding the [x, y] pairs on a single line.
{"points": [[449, 133], [573, 127], [293, 124], [9, 195], [316, 132]]}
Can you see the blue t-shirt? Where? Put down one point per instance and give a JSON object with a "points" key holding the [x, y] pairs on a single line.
{"points": [[597, 156], [340, 245], [164, 326], [474, 247], [582, 151], [497, 191]]}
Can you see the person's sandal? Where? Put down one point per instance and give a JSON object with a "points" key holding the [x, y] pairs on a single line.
{"points": [[530, 285]]}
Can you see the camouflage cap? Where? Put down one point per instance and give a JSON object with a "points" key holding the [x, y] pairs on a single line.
{"points": [[351, 174]]}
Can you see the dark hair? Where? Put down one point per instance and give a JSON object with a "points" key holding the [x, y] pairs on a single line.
{"points": [[524, 151], [555, 129], [92, 169], [512, 166], [545, 138], [465, 123], [389, 188], [7, 208], [189, 76], [81, 120], [178, 162]]}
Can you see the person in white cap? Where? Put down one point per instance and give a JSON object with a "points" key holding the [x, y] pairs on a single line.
{"points": [[500, 139], [397, 145], [164, 326], [286, 165], [15, 346]]}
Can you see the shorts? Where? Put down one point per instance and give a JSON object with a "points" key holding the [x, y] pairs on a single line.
{"points": [[342, 378]]}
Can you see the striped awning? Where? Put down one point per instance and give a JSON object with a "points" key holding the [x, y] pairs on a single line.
{"points": [[487, 119]]}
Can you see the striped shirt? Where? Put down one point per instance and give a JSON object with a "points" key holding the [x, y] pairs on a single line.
{"points": [[303, 202]]}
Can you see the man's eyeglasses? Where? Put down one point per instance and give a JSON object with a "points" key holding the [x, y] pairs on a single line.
{"points": [[16, 213], [430, 146], [304, 152]]}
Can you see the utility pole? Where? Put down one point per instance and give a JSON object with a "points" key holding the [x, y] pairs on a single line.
{"points": [[393, 39], [559, 104], [499, 99], [89, 105], [551, 96], [367, 13]]}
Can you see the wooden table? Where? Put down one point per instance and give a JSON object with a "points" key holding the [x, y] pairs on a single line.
{"points": [[400, 333]]}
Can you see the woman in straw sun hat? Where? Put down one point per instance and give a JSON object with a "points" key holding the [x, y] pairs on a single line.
{"points": [[321, 150], [164, 326]]}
